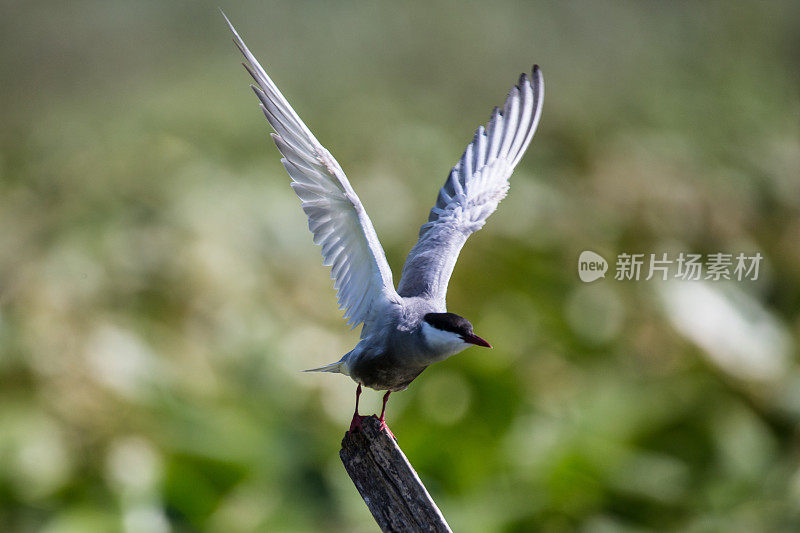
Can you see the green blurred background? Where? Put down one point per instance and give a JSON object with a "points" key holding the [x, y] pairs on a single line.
{"points": [[159, 291]]}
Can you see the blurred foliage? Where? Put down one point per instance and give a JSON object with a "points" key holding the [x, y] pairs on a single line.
{"points": [[159, 291]]}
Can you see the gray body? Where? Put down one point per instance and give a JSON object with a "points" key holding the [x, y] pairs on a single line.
{"points": [[401, 336], [397, 351]]}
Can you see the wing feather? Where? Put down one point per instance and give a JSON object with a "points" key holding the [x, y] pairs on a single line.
{"points": [[336, 216], [472, 191]]}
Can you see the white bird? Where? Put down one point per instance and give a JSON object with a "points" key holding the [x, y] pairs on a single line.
{"points": [[407, 329]]}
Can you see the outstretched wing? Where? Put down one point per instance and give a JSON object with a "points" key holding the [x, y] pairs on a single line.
{"points": [[473, 190], [336, 216]]}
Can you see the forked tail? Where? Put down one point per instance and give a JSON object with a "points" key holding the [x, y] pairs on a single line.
{"points": [[333, 367], [338, 366]]}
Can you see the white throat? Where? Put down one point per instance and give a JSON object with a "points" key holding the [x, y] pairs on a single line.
{"points": [[443, 343]]}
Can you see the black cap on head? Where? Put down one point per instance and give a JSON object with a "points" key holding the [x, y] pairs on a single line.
{"points": [[449, 322], [455, 324]]}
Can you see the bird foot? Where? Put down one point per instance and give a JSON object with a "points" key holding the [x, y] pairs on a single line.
{"points": [[357, 424], [385, 427]]}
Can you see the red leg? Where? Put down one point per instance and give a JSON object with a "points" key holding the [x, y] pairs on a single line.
{"points": [[383, 411], [355, 424], [383, 415]]}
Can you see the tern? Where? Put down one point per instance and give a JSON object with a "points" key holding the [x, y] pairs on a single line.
{"points": [[407, 329]]}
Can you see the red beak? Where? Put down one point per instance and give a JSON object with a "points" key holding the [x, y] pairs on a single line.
{"points": [[477, 341]]}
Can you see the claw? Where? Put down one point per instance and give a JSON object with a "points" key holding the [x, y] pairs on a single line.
{"points": [[382, 419], [357, 424], [386, 428]]}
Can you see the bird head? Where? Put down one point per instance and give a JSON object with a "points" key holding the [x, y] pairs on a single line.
{"points": [[450, 332]]}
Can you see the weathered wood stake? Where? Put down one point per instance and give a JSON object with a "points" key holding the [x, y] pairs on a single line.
{"points": [[387, 482]]}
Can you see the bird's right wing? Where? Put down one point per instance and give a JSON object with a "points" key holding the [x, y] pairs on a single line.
{"points": [[473, 190], [336, 216]]}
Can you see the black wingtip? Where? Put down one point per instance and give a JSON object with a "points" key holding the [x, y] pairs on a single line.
{"points": [[538, 78]]}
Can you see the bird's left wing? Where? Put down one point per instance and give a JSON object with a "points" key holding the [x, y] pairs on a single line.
{"points": [[473, 190], [336, 217]]}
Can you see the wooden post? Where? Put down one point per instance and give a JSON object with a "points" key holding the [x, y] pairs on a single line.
{"points": [[387, 482]]}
